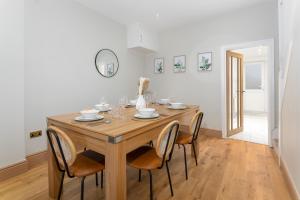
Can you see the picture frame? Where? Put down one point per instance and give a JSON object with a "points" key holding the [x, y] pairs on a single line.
{"points": [[205, 61], [179, 64], [159, 65], [110, 68]]}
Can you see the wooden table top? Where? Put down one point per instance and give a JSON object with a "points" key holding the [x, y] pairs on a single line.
{"points": [[120, 126]]}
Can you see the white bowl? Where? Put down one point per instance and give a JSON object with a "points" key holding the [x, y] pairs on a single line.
{"points": [[133, 102], [89, 114], [102, 106], [177, 105], [164, 101], [147, 112]]}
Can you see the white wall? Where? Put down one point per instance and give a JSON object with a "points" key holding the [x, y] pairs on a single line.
{"points": [[203, 88], [12, 142], [61, 40], [290, 126]]}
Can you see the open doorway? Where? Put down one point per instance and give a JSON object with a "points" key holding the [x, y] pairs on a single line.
{"points": [[248, 94]]}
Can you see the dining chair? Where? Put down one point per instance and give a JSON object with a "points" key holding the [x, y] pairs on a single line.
{"points": [[149, 158], [69, 161], [190, 137]]}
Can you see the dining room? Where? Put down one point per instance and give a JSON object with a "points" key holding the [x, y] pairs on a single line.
{"points": [[116, 100]]}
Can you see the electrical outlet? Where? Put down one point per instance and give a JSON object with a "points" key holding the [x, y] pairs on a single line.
{"points": [[37, 133]]}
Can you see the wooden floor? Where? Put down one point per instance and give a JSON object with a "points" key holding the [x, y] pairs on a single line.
{"points": [[228, 169]]}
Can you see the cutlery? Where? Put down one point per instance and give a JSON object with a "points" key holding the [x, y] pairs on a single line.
{"points": [[105, 121]]}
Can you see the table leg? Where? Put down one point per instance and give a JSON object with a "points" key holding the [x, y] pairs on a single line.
{"points": [[115, 167], [53, 175]]}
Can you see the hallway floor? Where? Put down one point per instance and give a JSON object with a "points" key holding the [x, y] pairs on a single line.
{"points": [[255, 130]]}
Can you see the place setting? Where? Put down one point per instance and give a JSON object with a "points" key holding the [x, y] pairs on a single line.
{"points": [[177, 106], [92, 115], [172, 105], [146, 113], [131, 103], [89, 115], [103, 106]]}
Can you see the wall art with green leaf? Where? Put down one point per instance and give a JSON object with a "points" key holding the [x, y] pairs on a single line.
{"points": [[205, 61]]}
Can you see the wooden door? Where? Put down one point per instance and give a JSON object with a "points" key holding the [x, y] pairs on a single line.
{"points": [[235, 90]]}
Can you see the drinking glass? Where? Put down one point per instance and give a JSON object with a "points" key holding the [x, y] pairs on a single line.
{"points": [[148, 99], [115, 111], [154, 98], [123, 101], [103, 100]]}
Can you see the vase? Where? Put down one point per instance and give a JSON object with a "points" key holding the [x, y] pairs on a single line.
{"points": [[141, 103]]}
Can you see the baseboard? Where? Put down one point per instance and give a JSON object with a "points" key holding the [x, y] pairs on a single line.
{"points": [[31, 161], [211, 132], [13, 170], [290, 183], [204, 131], [36, 159]]}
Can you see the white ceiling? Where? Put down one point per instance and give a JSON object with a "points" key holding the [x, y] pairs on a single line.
{"points": [[172, 13]]}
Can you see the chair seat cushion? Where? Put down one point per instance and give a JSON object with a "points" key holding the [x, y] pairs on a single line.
{"points": [[184, 138], [87, 163], [145, 158]]}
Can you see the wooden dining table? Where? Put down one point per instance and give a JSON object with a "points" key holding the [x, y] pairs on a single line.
{"points": [[113, 137]]}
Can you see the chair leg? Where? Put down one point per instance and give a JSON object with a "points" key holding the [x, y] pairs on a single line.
{"points": [[170, 181], [61, 185], [82, 188], [193, 146], [151, 143], [185, 164], [96, 176], [151, 192], [140, 175], [102, 179]]}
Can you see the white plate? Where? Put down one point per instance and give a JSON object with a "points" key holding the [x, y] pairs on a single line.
{"points": [[155, 115], [163, 101], [179, 108], [83, 119], [104, 110]]}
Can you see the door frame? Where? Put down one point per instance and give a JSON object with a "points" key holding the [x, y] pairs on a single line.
{"points": [[270, 83]]}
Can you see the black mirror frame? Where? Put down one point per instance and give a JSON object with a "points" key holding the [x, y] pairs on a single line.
{"points": [[114, 55]]}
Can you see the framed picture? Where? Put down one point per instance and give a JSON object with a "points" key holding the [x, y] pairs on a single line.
{"points": [[205, 61], [179, 64], [110, 69], [158, 65]]}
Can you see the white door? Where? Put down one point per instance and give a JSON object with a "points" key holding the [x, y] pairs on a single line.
{"points": [[255, 90]]}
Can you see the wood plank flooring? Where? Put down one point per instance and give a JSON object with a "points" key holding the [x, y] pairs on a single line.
{"points": [[227, 170]]}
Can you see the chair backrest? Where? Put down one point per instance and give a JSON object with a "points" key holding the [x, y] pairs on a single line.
{"points": [[196, 124], [166, 140], [62, 147]]}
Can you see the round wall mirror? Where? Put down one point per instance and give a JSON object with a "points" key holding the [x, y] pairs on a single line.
{"points": [[107, 63]]}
